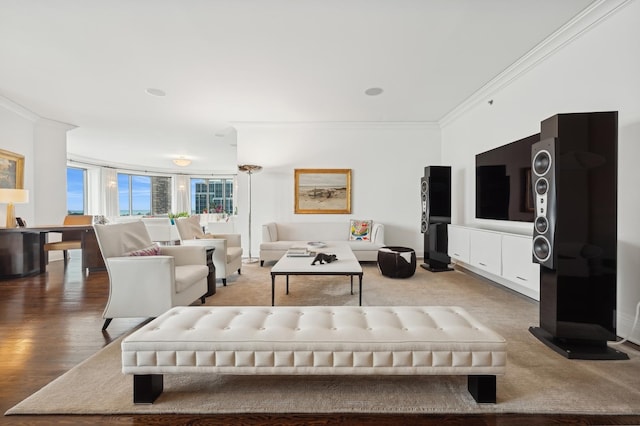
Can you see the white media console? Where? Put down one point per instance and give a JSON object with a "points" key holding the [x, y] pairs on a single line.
{"points": [[502, 257]]}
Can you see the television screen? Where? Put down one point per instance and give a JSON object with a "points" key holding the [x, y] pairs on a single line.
{"points": [[503, 182]]}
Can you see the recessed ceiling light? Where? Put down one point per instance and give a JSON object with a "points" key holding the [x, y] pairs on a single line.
{"points": [[373, 91], [155, 92]]}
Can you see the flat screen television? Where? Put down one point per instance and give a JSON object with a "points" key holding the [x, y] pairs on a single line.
{"points": [[503, 182]]}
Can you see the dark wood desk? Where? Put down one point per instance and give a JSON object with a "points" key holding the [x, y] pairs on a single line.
{"points": [[22, 249]]}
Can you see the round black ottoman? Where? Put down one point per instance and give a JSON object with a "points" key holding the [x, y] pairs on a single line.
{"points": [[397, 262]]}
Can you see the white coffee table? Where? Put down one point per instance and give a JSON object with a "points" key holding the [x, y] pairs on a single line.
{"points": [[346, 264]]}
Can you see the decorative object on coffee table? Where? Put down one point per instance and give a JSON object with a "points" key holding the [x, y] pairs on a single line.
{"points": [[250, 169], [397, 262]]}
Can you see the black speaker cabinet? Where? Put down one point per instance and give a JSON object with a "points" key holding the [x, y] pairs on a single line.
{"points": [[574, 183], [435, 202], [424, 204]]}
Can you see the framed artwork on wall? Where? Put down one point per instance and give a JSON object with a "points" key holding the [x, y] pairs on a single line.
{"points": [[322, 191], [11, 170]]}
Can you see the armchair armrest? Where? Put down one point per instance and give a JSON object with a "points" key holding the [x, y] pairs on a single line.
{"points": [[269, 232], [377, 233], [233, 240], [134, 278], [186, 255]]}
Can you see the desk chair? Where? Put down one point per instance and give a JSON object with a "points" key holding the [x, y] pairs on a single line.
{"points": [[70, 239]]}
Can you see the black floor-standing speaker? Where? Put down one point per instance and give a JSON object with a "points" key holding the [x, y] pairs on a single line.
{"points": [[574, 182], [435, 201]]}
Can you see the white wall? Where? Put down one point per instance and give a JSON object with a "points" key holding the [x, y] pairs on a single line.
{"points": [[50, 157], [16, 135], [43, 144], [386, 162], [597, 71]]}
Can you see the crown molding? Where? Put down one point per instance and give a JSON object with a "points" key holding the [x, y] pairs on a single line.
{"points": [[594, 14], [41, 121], [32, 116], [335, 124], [88, 162], [18, 109]]}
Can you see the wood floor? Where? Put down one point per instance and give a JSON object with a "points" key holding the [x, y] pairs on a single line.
{"points": [[51, 322]]}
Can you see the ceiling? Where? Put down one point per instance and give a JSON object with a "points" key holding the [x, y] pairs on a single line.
{"points": [[226, 62]]}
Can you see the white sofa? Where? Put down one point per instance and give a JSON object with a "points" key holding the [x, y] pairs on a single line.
{"points": [[278, 237]]}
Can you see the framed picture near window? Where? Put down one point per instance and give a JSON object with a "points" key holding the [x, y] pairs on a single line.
{"points": [[11, 170], [322, 191]]}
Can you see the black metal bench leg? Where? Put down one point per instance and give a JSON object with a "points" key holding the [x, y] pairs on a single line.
{"points": [[147, 387], [482, 388]]}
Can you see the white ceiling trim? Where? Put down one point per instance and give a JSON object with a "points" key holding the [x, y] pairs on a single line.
{"points": [[18, 109], [336, 124], [588, 19], [41, 121], [82, 162]]}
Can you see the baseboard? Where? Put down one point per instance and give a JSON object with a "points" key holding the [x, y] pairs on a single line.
{"points": [[624, 322]]}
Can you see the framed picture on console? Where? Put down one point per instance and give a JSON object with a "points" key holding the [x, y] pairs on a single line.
{"points": [[11, 170], [322, 191]]}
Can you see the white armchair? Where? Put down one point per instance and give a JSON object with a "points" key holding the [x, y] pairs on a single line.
{"points": [[227, 256], [161, 230], [145, 280]]}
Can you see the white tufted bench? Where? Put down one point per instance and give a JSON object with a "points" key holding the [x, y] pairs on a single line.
{"points": [[330, 340]]}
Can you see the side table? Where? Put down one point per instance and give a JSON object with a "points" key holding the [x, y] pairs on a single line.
{"points": [[211, 278], [397, 262]]}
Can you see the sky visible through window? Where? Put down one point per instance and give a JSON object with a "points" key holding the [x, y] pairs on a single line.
{"points": [[75, 190], [140, 193], [140, 197]]}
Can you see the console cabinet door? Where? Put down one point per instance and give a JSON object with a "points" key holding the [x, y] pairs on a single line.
{"points": [[485, 250], [458, 243], [517, 265]]}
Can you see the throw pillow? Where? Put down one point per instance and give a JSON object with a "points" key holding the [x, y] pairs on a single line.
{"points": [[360, 230], [152, 250]]}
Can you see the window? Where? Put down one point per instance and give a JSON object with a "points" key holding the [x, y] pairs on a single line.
{"points": [[212, 196], [76, 195], [143, 195]]}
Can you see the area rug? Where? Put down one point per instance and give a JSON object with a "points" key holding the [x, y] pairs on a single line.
{"points": [[537, 381]]}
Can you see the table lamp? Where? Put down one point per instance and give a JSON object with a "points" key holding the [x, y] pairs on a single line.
{"points": [[11, 197]]}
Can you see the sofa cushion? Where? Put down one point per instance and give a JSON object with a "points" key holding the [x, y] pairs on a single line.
{"points": [[205, 237], [312, 231], [233, 253], [188, 275], [362, 246]]}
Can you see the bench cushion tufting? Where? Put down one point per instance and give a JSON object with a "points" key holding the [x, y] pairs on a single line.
{"points": [[315, 340]]}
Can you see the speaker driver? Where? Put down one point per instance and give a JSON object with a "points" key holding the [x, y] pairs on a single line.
{"points": [[541, 248], [423, 227], [424, 188], [542, 186], [542, 162], [542, 224]]}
